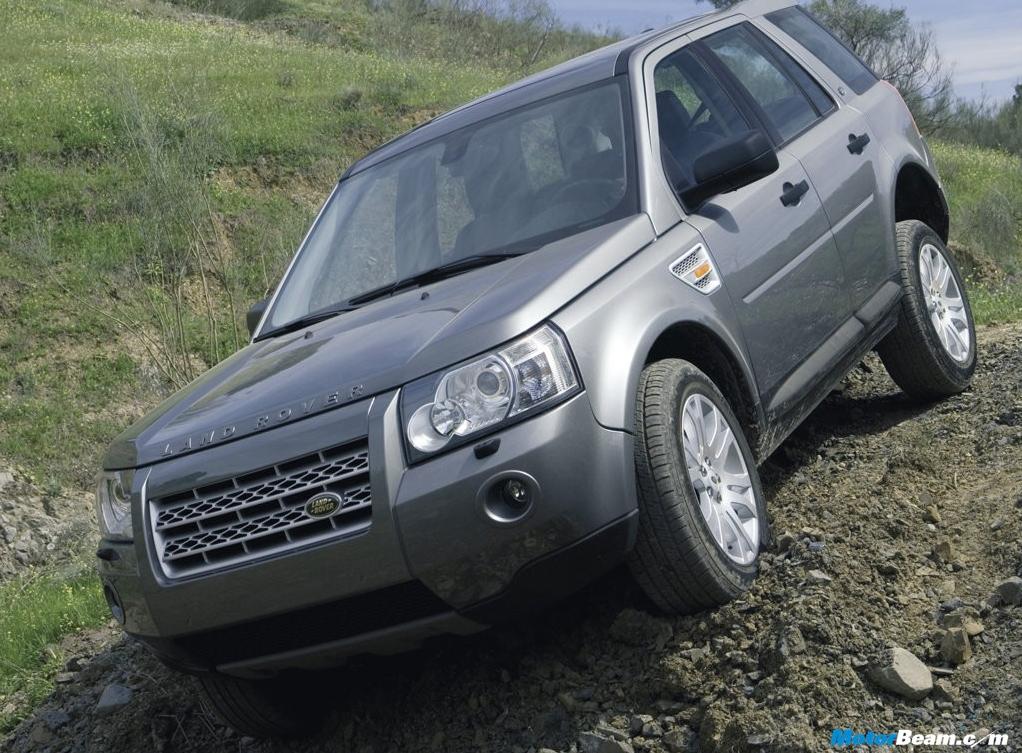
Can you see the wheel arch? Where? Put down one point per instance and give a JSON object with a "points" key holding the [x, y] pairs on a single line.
{"points": [[918, 196], [710, 353]]}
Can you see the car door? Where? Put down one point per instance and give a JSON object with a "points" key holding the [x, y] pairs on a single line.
{"points": [[846, 163], [771, 240]]}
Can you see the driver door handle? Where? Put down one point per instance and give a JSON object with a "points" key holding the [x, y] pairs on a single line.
{"points": [[793, 193], [856, 144]]}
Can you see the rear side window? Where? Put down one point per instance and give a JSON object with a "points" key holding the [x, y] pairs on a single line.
{"points": [[805, 30], [791, 100]]}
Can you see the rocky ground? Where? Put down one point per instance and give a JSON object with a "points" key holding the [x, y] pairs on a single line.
{"points": [[39, 527], [877, 609]]}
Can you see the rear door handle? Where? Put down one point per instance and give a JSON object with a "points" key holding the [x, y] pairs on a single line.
{"points": [[793, 193], [856, 144]]}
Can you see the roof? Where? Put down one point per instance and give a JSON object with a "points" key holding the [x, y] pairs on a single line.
{"points": [[592, 67]]}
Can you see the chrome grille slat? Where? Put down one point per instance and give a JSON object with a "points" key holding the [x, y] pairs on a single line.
{"points": [[261, 513], [255, 494]]}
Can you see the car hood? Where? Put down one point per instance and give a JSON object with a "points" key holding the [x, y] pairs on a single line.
{"points": [[376, 348]]}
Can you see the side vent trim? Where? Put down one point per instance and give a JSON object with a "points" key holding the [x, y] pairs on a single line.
{"points": [[696, 268]]}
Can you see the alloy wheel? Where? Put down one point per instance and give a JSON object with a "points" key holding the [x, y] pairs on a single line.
{"points": [[720, 479], [944, 303]]}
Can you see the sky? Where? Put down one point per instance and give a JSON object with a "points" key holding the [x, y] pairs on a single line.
{"points": [[981, 39]]}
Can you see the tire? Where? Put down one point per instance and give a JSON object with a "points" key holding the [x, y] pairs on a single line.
{"points": [[913, 353], [276, 708], [677, 561]]}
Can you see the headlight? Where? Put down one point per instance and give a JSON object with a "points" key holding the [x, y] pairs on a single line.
{"points": [[527, 375], [113, 505]]}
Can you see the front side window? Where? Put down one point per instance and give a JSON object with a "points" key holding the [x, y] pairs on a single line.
{"points": [[788, 106], [694, 114], [805, 30], [511, 183]]}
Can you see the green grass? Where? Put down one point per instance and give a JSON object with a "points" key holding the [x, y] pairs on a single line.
{"points": [[985, 192], [100, 102], [35, 613], [984, 188], [996, 306]]}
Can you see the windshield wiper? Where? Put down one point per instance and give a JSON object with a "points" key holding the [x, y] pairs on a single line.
{"points": [[311, 318], [450, 269], [430, 275]]}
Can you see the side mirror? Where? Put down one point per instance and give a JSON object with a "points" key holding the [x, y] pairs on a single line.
{"points": [[255, 315], [737, 162]]}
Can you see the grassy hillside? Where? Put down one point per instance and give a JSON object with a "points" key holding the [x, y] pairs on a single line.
{"points": [[158, 166]]}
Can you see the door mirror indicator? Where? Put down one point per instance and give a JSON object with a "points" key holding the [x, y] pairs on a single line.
{"points": [[733, 164]]}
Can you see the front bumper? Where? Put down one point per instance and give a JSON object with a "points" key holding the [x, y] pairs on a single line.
{"points": [[432, 561]]}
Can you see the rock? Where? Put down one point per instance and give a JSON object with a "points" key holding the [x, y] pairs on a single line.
{"points": [[944, 551], [667, 706], [900, 671], [5, 479], [758, 741], [931, 515], [677, 740], [639, 629], [1010, 591], [113, 698], [955, 647], [693, 654], [997, 525], [818, 576], [652, 729], [55, 719], [64, 678], [40, 735], [637, 722], [613, 732], [785, 644], [965, 618], [785, 541], [591, 742], [943, 690]]}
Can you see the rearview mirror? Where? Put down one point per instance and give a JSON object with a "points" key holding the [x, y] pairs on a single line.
{"points": [[255, 315], [737, 162]]}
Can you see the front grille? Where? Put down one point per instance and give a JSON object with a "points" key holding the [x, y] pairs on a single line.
{"points": [[311, 626], [262, 513]]}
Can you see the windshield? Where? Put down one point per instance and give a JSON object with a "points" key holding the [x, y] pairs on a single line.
{"points": [[505, 185]]}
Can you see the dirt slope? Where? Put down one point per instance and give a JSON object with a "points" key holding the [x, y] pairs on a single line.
{"points": [[889, 516]]}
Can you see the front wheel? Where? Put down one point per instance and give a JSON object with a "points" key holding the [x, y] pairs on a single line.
{"points": [[702, 519], [283, 707], [931, 353]]}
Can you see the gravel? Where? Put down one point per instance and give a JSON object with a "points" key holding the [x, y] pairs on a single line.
{"points": [[779, 669]]}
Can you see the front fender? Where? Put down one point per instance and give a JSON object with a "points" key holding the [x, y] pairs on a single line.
{"points": [[613, 326]]}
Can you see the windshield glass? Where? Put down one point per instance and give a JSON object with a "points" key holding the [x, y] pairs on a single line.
{"points": [[504, 185]]}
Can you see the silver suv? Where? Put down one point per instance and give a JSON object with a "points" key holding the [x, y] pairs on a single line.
{"points": [[550, 331]]}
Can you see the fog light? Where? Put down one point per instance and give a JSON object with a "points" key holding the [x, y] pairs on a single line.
{"points": [[516, 493], [509, 497]]}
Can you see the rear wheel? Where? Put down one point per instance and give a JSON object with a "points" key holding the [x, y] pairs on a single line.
{"points": [[702, 519], [931, 353], [280, 707]]}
